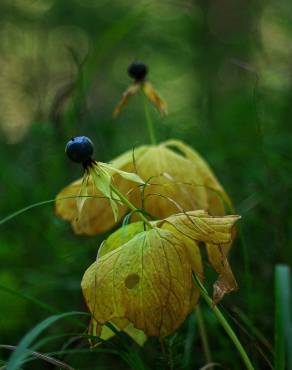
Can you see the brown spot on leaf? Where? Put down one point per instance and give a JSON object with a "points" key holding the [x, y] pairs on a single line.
{"points": [[132, 280]]}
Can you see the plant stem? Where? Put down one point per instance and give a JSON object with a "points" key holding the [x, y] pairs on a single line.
{"points": [[224, 324], [126, 201], [203, 334], [149, 121]]}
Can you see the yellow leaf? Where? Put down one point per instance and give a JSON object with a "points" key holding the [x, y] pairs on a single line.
{"points": [[95, 217], [172, 183], [131, 90], [217, 234], [217, 197], [154, 97], [226, 282], [192, 248], [147, 281]]}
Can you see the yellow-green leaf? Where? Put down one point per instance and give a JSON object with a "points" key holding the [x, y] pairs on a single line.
{"points": [[147, 281]]}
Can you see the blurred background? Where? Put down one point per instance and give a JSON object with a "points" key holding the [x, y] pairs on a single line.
{"points": [[224, 68]]}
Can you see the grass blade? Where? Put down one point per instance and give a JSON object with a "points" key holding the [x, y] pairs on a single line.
{"points": [[21, 352], [283, 328]]}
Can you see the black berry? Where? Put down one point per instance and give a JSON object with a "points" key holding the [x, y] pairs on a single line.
{"points": [[79, 149], [137, 70]]}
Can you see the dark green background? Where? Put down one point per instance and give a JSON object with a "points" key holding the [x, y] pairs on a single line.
{"points": [[224, 67]]}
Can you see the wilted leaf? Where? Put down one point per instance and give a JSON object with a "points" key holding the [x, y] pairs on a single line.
{"points": [[96, 215], [216, 233], [217, 197], [154, 97], [173, 184], [226, 282], [131, 90], [147, 281]]}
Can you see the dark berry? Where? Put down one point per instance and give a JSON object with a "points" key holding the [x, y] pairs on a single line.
{"points": [[137, 70], [79, 149]]}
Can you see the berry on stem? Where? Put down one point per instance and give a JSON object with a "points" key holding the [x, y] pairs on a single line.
{"points": [[138, 70], [79, 149]]}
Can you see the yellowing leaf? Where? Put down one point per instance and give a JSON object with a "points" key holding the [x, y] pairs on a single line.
{"points": [[192, 248], [131, 90], [217, 197], [200, 226], [154, 97], [216, 233], [226, 282], [172, 183], [95, 217], [147, 281]]}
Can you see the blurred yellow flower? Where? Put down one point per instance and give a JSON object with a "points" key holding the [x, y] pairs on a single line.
{"points": [[177, 179], [142, 278]]}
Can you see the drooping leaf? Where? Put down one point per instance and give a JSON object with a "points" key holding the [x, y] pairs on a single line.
{"points": [[172, 183], [131, 90], [217, 234], [154, 97], [146, 281], [217, 197]]}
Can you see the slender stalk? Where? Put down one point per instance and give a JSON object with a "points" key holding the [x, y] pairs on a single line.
{"points": [[150, 124], [126, 201], [203, 334], [22, 210], [224, 324]]}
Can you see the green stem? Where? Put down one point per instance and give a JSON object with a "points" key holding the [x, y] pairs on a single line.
{"points": [[22, 210], [126, 201], [224, 324], [203, 334], [149, 121]]}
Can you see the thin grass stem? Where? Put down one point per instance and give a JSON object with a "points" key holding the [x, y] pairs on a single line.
{"points": [[228, 329]]}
